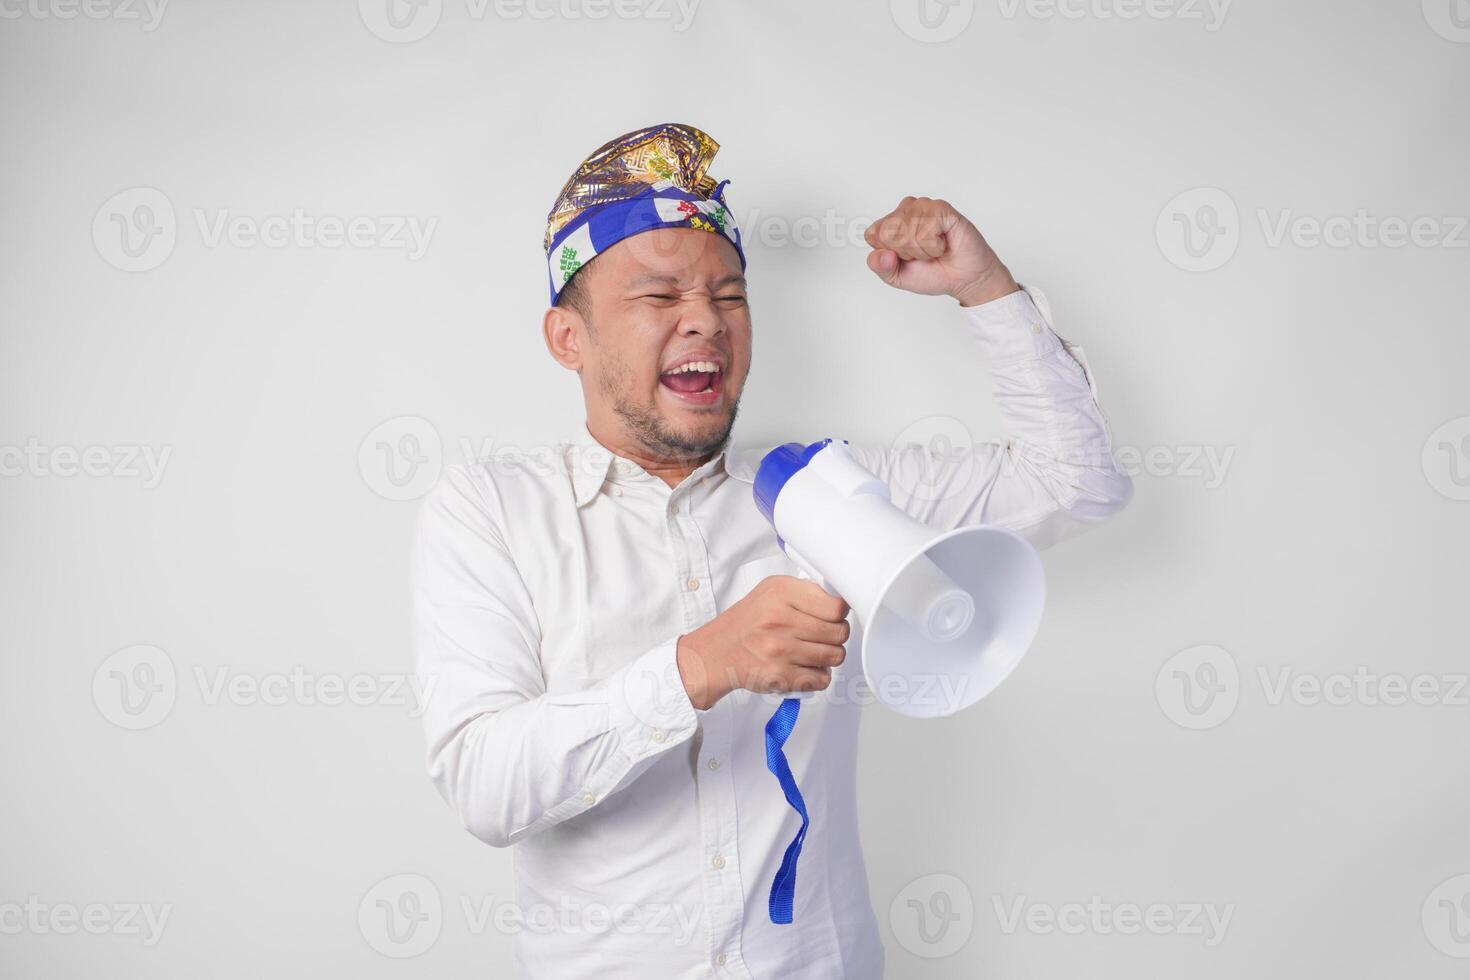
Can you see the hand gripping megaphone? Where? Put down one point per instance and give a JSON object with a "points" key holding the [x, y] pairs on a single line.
{"points": [[945, 617]]}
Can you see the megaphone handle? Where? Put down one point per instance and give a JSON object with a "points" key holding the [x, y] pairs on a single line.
{"points": [[805, 569]]}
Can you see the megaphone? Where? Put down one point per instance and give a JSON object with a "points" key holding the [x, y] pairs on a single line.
{"points": [[945, 618]]}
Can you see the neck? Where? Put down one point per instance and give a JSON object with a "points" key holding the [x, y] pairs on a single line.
{"points": [[673, 470]]}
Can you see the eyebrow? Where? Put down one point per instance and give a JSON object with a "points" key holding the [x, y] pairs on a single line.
{"points": [[655, 278]]}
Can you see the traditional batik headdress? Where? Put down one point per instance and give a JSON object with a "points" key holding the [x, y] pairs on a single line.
{"points": [[646, 179]]}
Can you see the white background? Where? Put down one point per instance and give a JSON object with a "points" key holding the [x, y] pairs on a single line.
{"points": [[1331, 540]]}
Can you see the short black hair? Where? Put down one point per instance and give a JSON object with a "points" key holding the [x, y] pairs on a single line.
{"points": [[572, 294]]}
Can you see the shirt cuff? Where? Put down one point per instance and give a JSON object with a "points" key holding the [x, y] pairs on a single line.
{"points": [[650, 708], [1013, 327]]}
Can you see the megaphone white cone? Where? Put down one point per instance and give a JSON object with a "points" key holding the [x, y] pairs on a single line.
{"points": [[1000, 577], [931, 602]]}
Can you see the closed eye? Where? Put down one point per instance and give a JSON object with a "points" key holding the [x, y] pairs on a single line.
{"points": [[729, 300]]}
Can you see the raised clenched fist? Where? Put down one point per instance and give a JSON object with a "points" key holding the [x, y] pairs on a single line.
{"points": [[926, 246]]}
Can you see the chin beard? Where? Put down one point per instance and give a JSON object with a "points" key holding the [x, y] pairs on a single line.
{"points": [[651, 429], [663, 441]]}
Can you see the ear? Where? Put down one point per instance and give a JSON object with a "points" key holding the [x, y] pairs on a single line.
{"points": [[563, 329]]}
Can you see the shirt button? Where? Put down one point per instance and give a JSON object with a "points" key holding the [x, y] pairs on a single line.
{"points": [[659, 736], [692, 584], [718, 861], [720, 960], [617, 491], [713, 763], [588, 798]]}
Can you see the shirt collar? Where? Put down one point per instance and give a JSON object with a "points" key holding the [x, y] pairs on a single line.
{"points": [[591, 464]]}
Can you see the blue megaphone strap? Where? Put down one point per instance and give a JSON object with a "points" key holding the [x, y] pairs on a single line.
{"points": [[783, 887]]}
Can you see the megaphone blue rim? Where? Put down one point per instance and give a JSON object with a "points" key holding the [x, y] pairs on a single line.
{"points": [[778, 466]]}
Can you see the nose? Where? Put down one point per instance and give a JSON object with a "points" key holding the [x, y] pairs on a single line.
{"points": [[699, 317]]}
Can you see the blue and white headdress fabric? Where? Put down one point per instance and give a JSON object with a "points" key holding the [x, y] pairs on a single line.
{"points": [[650, 178]]}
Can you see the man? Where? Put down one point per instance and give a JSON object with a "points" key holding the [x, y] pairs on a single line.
{"points": [[604, 625]]}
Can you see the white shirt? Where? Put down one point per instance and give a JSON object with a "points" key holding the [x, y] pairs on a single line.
{"points": [[550, 591]]}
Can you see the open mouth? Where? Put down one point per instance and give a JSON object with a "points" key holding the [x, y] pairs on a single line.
{"points": [[698, 382]]}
